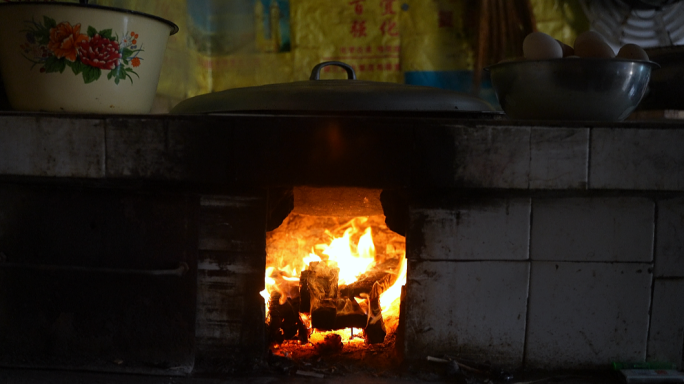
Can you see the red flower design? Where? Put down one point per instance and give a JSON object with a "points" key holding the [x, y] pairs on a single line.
{"points": [[99, 52]]}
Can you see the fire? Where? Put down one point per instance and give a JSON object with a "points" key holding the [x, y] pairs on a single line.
{"points": [[391, 297], [352, 249], [352, 259]]}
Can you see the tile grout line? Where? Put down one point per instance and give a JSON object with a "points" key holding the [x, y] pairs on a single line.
{"points": [[104, 144], [653, 278], [588, 166], [529, 162], [529, 288]]}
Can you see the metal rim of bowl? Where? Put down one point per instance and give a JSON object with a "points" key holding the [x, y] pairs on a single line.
{"points": [[174, 27]]}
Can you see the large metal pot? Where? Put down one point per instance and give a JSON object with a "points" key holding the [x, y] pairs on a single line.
{"points": [[316, 95]]}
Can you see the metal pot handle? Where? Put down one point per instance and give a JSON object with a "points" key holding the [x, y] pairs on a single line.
{"points": [[316, 72]]}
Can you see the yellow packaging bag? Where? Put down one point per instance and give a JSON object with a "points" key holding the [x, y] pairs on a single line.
{"points": [[562, 19], [365, 34]]}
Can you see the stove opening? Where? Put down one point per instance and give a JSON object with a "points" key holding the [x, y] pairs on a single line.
{"points": [[334, 275]]}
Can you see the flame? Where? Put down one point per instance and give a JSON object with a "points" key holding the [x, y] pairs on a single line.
{"points": [[311, 257], [353, 259], [351, 263], [391, 298]]}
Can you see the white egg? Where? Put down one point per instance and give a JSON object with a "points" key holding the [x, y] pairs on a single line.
{"points": [[591, 44], [588, 35], [632, 52], [540, 46]]}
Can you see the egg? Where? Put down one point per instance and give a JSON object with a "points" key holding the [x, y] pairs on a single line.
{"points": [[567, 50], [591, 44], [589, 35], [540, 46], [632, 52]]}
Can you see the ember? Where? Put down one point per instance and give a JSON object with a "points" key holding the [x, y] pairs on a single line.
{"points": [[323, 282]]}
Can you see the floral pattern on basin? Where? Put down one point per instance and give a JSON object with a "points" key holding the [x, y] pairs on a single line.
{"points": [[53, 47]]}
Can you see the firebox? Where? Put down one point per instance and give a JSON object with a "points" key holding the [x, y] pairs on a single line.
{"points": [[334, 272]]}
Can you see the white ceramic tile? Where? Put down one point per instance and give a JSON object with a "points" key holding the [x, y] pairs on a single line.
{"points": [[642, 159], [559, 158], [587, 315], [473, 309], [52, 147], [491, 229], [495, 157], [666, 337], [669, 257], [593, 229]]}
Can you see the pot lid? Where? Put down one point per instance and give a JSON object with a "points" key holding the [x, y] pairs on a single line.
{"points": [[316, 95]]}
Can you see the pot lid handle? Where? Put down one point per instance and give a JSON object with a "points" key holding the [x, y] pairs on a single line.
{"points": [[316, 72]]}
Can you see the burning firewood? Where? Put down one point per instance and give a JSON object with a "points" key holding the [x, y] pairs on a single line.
{"points": [[291, 320], [375, 331], [303, 333], [322, 286], [332, 314], [349, 314], [381, 273], [323, 314], [286, 285], [275, 323], [304, 295], [322, 279], [285, 321], [319, 298]]}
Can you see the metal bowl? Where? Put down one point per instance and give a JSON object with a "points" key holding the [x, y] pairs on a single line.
{"points": [[571, 88]]}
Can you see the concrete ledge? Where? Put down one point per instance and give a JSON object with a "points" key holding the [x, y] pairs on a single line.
{"points": [[52, 147], [363, 151]]}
